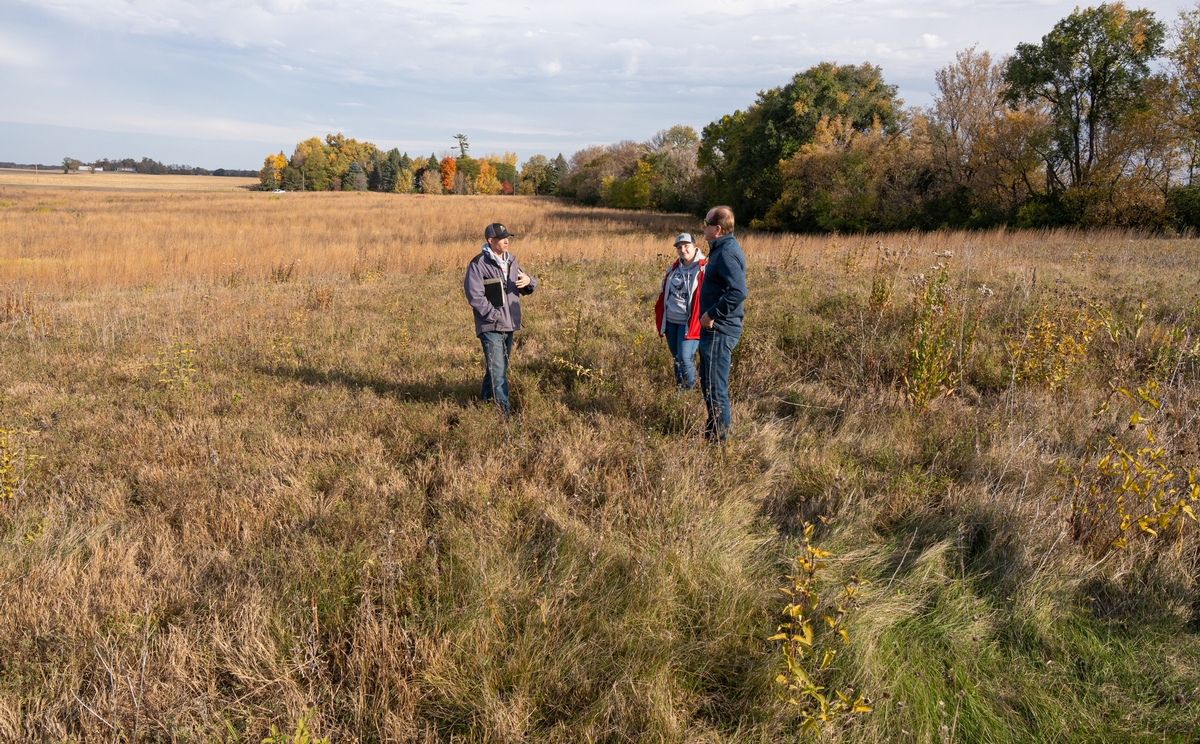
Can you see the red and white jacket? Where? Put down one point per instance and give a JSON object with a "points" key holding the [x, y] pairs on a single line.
{"points": [[660, 316]]}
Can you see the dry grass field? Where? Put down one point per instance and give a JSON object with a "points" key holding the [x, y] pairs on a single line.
{"points": [[56, 179], [245, 482]]}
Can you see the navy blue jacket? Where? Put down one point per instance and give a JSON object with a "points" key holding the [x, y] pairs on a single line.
{"points": [[724, 287]]}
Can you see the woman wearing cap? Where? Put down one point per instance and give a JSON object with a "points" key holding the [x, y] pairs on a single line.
{"points": [[677, 312]]}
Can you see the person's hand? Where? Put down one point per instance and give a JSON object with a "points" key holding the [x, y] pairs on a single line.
{"points": [[522, 279], [706, 321]]}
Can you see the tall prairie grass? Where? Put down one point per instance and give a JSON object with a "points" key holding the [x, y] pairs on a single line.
{"points": [[245, 492], [57, 239]]}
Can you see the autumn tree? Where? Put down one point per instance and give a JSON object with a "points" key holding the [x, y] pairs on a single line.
{"points": [[506, 167], [632, 192], [538, 176], [431, 182], [404, 181], [672, 156], [741, 152], [486, 182], [268, 177], [590, 167], [990, 154], [449, 168], [1184, 58], [312, 162], [1090, 71], [468, 169]]}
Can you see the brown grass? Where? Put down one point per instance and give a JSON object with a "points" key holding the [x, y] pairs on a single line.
{"points": [[58, 239], [105, 181], [243, 499]]}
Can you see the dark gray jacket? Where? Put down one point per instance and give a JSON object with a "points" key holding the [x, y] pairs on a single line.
{"points": [[483, 268]]}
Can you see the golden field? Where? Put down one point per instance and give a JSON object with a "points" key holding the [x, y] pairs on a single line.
{"points": [[247, 487], [61, 239], [56, 179]]}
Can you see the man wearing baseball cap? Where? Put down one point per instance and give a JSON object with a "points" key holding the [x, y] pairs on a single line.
{"points": [[494, 285]]}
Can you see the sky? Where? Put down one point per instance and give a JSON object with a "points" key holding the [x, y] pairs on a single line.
{"points": [[224, 82]]}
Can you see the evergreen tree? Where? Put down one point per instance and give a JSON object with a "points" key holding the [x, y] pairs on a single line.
{"points": [[560, 172], [389, 167], [291, 179], [355, 178]]}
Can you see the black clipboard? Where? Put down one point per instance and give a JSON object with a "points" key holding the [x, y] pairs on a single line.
{"points": [[493, 290]]}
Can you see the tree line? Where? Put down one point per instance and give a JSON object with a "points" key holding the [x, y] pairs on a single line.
{"points": [[661, 173], [338, 163], [1096, 124], [148, 165]]}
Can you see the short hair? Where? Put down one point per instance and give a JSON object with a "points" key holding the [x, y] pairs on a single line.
{"points": [[724, 217]]}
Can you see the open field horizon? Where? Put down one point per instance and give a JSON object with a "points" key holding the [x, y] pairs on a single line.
{"points": [[56, 179], [245, 481], [73, 239]]}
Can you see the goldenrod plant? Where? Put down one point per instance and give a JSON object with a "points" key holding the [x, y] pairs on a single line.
{"points": [[302, 734], [176, 366], [942, 337], [807, 659], [1054, 344], [1120, 491], [15, 462]]}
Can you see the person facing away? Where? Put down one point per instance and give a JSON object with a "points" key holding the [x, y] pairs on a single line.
{"points": [[721, 298], [494, 284], [677, 313]]}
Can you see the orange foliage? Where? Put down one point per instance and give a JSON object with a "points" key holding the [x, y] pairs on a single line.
{"points": [[449, 166]]}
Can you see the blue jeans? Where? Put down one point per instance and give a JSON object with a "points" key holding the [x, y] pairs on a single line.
{"points": [[716, 355], [683, 351], [497, 345]]}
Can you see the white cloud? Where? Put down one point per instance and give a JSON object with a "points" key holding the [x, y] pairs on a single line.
{"points": [[587, 72], [18, 53], [166, 122]]}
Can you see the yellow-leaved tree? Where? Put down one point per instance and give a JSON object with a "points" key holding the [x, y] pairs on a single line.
{"points": [[486, 182], [341, 151], [268, 177]]}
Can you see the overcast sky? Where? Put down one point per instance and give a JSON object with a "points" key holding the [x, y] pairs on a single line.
{"points": [[222, 83]]}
